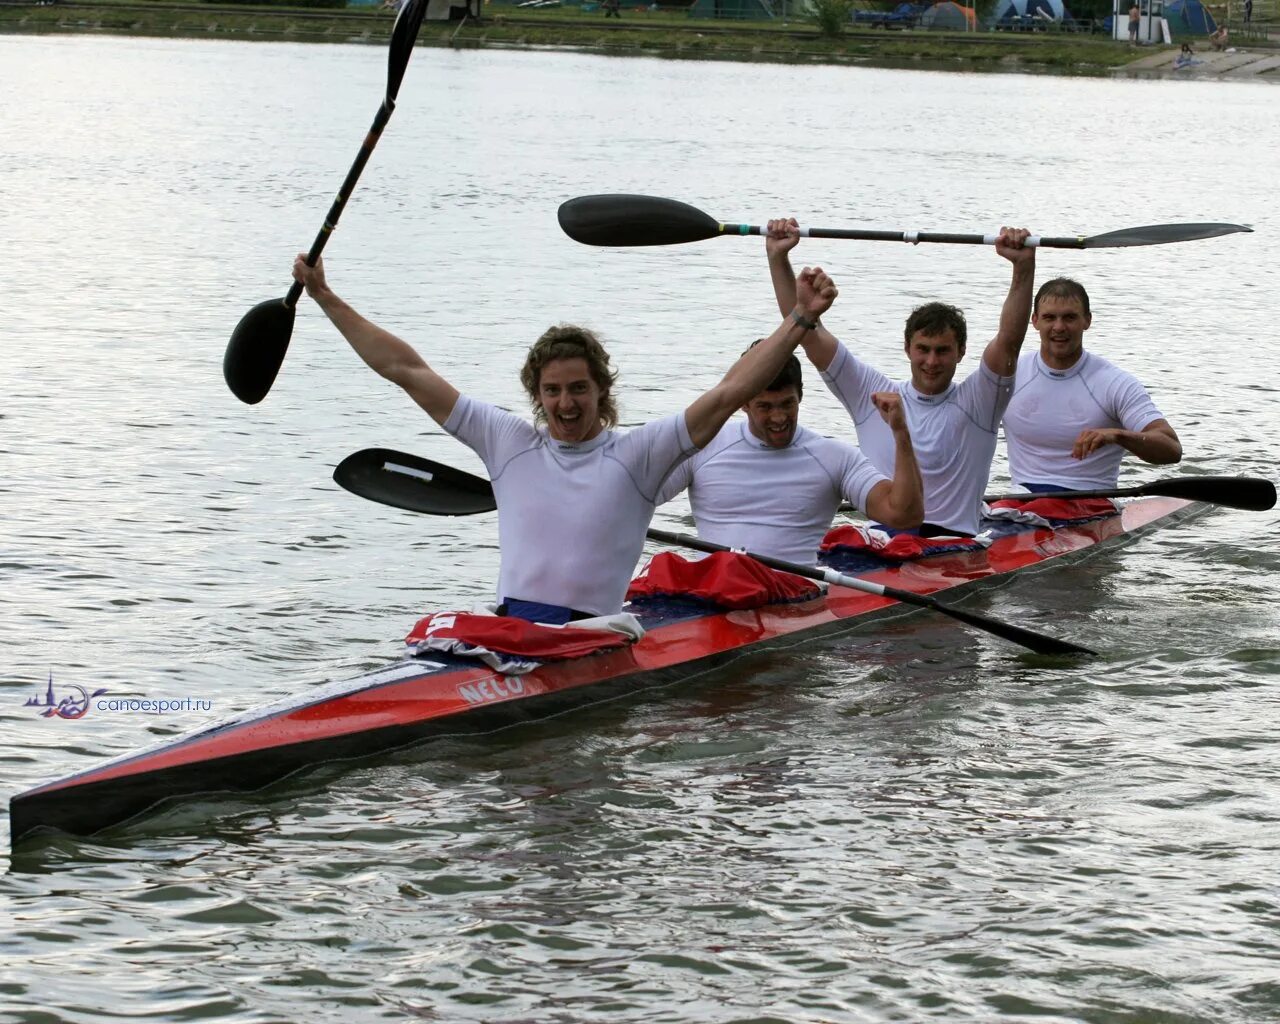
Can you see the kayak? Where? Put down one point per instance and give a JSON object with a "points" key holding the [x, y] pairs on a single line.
{"points": [[444, 695]]}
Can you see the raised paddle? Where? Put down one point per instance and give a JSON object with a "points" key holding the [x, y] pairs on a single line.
{"points": [[1248, 492], [650, 220], [261, 338], [420, 485]]}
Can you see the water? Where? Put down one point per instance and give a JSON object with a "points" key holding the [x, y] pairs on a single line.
{"points": [[909, 823]]}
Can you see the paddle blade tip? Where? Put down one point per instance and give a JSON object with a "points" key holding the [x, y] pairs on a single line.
{"points": [[1162, 234], [256, 350], [1264, 496], [626, 220], [404, 34]]}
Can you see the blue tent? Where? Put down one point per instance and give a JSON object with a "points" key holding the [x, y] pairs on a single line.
{"points": [[1189, 18], [905, 15]]}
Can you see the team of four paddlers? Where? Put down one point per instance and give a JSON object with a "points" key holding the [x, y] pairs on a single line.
{"points": [[575, 495]]}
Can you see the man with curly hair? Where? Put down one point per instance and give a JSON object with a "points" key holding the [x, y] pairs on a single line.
{"points": [[574, 495]]}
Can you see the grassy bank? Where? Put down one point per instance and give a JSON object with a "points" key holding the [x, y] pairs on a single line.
{"points": [[647, 33]]}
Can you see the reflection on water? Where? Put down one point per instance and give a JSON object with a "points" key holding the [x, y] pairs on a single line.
{"points": [[907, 821]]}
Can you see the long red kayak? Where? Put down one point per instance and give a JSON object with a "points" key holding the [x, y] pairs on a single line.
{"points": [[422, 697]]}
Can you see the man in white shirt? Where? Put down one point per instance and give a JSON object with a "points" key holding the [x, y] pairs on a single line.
{"points": [[768, 485], [574, 496], [1073, 414], [953, 426]]}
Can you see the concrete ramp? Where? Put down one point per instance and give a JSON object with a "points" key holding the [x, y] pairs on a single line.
{"points": [[1257, 67], [1235, 63]]}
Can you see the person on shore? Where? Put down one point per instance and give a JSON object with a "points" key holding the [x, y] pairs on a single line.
{"points": [[612, 8], [769, 485], [574, 496], [1135, 17], [953, 426], [1218, 39], [1073, 414]]}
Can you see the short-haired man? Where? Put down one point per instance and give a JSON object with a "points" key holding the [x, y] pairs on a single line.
{"points": [[953, 426], [574, 496], [768, 485], [1073, 414]]}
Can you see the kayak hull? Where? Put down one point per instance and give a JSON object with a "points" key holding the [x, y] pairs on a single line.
{"points": [[440, 695]]}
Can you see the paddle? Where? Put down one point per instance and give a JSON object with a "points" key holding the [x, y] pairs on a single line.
{"points": [[1248, 492], [261, 338], [650, 220], [420, 485]]}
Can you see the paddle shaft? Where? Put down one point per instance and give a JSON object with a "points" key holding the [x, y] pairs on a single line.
{"points": [[1247, 492], [1037, 642], [344, 193], [1252, 493], [420, 485], [913, 237], [837, 579], [260, 340]]}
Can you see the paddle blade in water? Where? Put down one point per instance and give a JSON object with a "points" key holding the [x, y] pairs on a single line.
{"points": [[634, 220], [1159, 234], [257, 349]]}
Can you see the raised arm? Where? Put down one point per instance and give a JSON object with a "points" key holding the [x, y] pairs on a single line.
{"points": [[381, 350], [899, 502], [782, 236], [1001, 354], [1156, 443], [761, 363]]}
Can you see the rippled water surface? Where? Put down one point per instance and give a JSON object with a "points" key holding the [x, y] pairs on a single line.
{"points": [[910, 822]]}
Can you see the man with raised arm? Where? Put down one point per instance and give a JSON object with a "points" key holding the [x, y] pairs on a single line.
{"points": [[769, 485], [953, 426], [1073, 414], [574, 496]]}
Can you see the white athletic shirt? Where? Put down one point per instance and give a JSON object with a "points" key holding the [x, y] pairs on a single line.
{"points": [[1051, 407], [571, 517], [953, 434], [774, 501]]}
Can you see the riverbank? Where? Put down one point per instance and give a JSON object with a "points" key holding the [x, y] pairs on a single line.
{"points": [[643, 33], [638, 33]]}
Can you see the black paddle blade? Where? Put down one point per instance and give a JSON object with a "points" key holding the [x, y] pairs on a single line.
{"points": [[634, 220], [1159, 234], [418, 485], [403, 35], [1247, 492], [257, 349]]}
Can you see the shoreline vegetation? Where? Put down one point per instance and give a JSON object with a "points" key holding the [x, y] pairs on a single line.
{"points": [[639, 32]]}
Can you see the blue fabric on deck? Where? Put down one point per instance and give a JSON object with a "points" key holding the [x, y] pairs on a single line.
{"points": [[535, 611]]}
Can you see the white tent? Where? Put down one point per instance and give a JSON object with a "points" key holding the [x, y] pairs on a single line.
{"points": [[452, 10]]}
